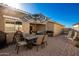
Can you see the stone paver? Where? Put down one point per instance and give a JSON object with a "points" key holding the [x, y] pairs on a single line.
{"points": [[57, 46]]}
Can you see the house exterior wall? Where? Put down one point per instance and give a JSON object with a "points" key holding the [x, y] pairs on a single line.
{"points": [[9, 28], [38, 27], [15, 14], [49, 26], [55, 27], [41, 27], [26, 27], [1, 22], [76, 27], [58, 29]]}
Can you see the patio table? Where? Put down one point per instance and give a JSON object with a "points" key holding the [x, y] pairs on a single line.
{"points": [[30, 40]]}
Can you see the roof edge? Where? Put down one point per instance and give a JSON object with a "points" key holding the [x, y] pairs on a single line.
{"points": [[5, 5]]}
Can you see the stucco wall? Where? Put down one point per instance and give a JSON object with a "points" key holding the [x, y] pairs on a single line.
{"points": [[49, 26], [26, 27], [76, 27], [40, 27], [58, 29], [1, 22]]}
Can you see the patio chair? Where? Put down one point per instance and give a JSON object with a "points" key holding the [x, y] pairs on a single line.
{"points": [[72, 35], [19, 42], [41, 41], [75, 36], [69, 34]]}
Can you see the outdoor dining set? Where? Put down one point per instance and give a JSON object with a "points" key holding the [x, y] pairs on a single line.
{"points": [[21, 39]]}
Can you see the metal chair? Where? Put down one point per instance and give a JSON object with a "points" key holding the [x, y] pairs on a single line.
{"points": [[41, 41], [19, 42]]}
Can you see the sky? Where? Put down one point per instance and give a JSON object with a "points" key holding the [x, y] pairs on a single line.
{"points": [[66, 14]]}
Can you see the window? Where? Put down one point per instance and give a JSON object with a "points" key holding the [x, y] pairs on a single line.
{"points": [[11, 25]]}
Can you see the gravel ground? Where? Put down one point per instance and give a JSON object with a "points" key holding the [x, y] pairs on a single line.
{"points": [[57, 46]]}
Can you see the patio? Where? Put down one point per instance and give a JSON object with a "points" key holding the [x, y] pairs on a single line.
{"points": [[57, 46]]}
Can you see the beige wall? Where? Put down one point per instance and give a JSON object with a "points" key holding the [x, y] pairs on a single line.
{"points": [[55, 27], [2, 28], [49, 26], [13, 13], [1, 22], [40, 27], [26, 27], [76, 27], [58, 29]]}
